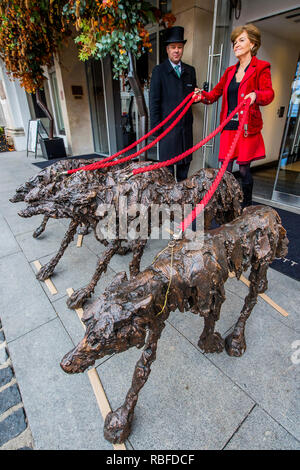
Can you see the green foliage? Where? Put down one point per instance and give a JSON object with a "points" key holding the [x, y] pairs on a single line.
{"points": [[114, 27]]}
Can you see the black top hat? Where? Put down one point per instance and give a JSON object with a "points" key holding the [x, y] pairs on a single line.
{"points": [[174, 34]]}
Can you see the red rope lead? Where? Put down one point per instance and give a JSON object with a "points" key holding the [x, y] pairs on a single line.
{"points": [[102, 163], [147, 147], [199, 207], [156, 166]]}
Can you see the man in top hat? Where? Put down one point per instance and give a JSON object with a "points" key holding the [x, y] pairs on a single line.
{"points": [[171, 82]]}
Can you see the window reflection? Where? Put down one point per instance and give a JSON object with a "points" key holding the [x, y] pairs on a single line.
{"points": [[288, 178]]}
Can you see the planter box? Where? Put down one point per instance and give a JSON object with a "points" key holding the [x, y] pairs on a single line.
{"points": [[53, 148]]}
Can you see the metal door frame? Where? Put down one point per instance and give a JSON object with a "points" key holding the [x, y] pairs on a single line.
{"points": [[280, 196], [211, 57]]}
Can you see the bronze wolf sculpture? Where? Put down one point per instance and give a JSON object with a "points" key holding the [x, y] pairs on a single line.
{"points": [[45, 178], [129, 314], [79, 195]]}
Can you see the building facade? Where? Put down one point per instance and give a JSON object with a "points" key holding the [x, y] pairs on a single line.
{"points": [[94, 113]]}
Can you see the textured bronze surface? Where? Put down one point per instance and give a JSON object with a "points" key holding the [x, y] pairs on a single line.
{"points": [[126, 314], [79, 195], [45, 178]]}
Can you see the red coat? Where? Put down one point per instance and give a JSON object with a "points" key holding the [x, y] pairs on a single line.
{"points": [[257, 78]]}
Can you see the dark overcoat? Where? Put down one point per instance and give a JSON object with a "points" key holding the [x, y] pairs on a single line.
{"points": [[167, 90]]}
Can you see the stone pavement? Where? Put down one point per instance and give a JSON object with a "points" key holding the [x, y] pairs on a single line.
{"points": [[191, 400]]}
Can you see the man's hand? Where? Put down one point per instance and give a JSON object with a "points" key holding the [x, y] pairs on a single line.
{"points": [[252, 96], [197, 95]]}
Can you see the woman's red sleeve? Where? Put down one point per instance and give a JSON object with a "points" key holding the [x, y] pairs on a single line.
{"points": [[265, 92], [211, 96]]}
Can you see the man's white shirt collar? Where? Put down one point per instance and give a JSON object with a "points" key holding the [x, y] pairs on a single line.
{"points": [[175, 65]]}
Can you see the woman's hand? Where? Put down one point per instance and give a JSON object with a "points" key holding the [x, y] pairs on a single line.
{"points": [[252, 96], [197, 95]]}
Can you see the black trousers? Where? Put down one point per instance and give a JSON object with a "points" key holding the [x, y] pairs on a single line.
{"points": [[181, 174], [182, 170]]}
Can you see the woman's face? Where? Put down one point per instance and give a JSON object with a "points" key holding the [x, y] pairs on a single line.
{"points": [[242, 45]]}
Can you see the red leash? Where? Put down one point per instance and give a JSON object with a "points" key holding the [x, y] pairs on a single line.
{"points": [[103, 163], [156, 166], [200, 207]]}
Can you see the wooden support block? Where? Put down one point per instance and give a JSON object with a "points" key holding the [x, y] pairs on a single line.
{"points": [[79, 241], [279, 309], [169, 231], [48, 281], [96, 384], [265, 297]]}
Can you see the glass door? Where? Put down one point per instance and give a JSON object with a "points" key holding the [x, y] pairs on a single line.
{"points": [[218, 56], [287, 182], [97, 98], [130, 120]]}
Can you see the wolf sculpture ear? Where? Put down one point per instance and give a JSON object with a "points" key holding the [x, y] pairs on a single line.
{"points": [[144, 303], [262, 246]]}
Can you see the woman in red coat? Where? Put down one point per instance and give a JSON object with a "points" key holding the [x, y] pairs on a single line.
{"points": [[249, 78]]}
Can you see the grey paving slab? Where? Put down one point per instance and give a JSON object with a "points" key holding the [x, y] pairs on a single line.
{"points": [[187, 403], [191, 325], [75, 269], [61, 408], [10, 181], [8, 244], [152, 249], [12, 426], [91, 242], [283, 290], [266, 370], [261, 432], [71, 322], [9, 184], [121, 263], [117, 263], [6, 375], [23, 304], [69, 317], [17, 224], [9, 397], [47, 243], [3, 356]]}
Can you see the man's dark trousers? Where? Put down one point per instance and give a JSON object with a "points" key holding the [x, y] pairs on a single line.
{"points": [[181, 171]]}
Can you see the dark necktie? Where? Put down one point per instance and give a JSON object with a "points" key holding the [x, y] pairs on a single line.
{"points": [[177, 70]]}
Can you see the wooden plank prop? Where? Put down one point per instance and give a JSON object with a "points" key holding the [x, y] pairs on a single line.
{"points": [[265, 297], [96, 384], [79, 241], [48, 281]]}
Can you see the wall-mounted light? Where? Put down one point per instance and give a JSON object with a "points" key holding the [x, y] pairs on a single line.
{"points": [[236, 5]]}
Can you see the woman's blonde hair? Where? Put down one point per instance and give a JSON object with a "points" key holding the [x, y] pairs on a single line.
{"points": [[253, 35]]}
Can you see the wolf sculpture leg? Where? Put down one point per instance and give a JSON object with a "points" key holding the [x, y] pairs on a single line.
{"points": [[210, 341], [41, 228], [78, 298], [138, 250], [84, 229], [47, 270], [117, 424], [235, 342]]}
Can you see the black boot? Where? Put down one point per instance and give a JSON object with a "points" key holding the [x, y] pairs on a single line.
{"points": [[247, 191]]}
